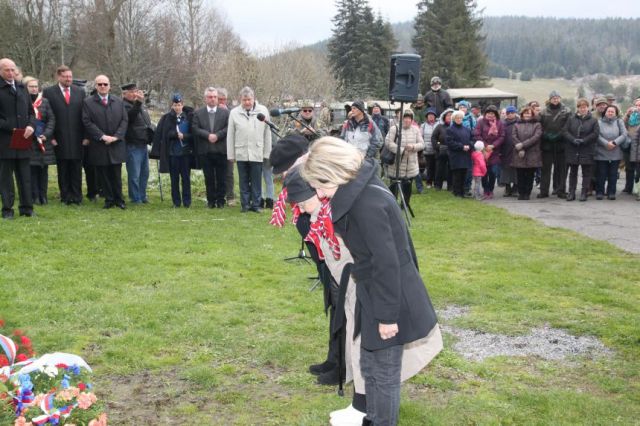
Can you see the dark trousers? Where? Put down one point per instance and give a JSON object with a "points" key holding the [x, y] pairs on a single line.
{"points": [[94, 183], [631, 172], [214, 167], [430, 168], [606, 171], [250, 177], [70, 180], [458, 177], [489, 180], [39, 183], [381, 372], [442, 172], [525, 181], [110, 178], [180, 169], [555, 160], [405, 185], [229, 181], [587, 170], [19, 167]]}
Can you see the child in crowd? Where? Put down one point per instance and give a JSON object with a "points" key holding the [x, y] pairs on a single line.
{"points": [[479, 168]]}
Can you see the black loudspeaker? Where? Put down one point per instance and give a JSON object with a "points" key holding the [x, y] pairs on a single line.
{"points": [[404, 78]]}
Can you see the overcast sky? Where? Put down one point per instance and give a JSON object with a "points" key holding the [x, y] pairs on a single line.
{"points": [[271, 24]]}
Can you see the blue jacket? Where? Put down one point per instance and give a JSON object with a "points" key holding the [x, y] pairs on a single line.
{"points": [[458, 136]]}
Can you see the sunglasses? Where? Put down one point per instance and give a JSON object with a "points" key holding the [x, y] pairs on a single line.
{"points": [[307, 110], [102, 84]]}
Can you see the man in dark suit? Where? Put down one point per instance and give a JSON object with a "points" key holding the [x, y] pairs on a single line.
{"points": [[66, 100], [15, 113], [105, 121], [210, 130]]}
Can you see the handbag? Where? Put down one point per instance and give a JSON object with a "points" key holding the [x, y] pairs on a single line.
{"points": [[388, 157]]}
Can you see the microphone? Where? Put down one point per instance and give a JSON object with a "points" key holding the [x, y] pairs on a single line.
{"points": [[279, 111], [262, 118]]}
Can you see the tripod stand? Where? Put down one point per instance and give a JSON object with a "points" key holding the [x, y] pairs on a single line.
{"points": [[397, 181], [302, 255]]}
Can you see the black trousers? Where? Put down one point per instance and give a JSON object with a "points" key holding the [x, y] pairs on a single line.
{"points": [[214, 167], [458, 177], [430, 168], [39, 183], [555, 160], [587, 171], [70, 180], [442, 171], [94, 184], [405, 185], [525, 181], [22, 171], [111, 182]]}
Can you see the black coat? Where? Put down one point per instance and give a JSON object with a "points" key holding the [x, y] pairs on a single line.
{"points": [[139, 128], [48, 157], [585, 128], [439, 139], [110, 120], [553, 120], [15, 113], [439, 100], [389, 288], [458, 136], [200, 131], [69, 130], [166, 134]]}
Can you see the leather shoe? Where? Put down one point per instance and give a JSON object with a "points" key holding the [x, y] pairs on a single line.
{"points": [[28, 213], [599, 197], [7, 214], [121, 205], [542, 195], [107, 205], [318, 369], [571, 196], [611, 197], [330, 377]]}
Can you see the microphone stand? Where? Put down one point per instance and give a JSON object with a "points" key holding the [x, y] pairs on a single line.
{"points": [[303, 124]]}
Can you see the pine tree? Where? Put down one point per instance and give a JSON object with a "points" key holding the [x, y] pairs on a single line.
{"points": [[359, 50], [449, 40]]}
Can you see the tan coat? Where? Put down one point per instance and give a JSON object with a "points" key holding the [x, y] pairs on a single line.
{"points": [[409, 159], [248, 139]]}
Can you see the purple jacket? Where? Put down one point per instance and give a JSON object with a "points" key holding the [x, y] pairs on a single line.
{"points": [[481, 133]]}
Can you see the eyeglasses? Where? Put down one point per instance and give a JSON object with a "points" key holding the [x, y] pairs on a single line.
{"points": [[307, 110], [102, 84]]}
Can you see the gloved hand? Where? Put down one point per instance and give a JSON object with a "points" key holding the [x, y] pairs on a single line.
{"points": [[577, 142], [521, 154], [519, 146]]}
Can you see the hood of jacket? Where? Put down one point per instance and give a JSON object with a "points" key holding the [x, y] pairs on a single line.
{"points": [[346, 194]]}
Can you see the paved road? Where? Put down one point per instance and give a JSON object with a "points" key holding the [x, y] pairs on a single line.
{"points": [[617, 222]]}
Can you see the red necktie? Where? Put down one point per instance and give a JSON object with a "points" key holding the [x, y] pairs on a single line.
{"points": [[67, 96], [104, 101]]}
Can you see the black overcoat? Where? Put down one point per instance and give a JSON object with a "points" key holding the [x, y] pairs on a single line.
{"points": [[166, 134], [458, 136], [581, 127], [389, 287], [110, 120], [48, 157], [69, 130], [15, 113], [201, 130]]}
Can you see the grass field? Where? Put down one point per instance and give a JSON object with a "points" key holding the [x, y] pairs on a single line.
{"points": [[190, 316], [537, 89]]}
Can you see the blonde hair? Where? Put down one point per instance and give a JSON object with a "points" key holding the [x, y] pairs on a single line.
{"points": [[28, 79], [457, 114], [331, 161]]}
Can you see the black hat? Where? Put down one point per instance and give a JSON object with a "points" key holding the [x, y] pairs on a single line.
{"points": [[287, 151], [129, 86], [78, 82], [376, 105], [359, 105], [298, 189]]}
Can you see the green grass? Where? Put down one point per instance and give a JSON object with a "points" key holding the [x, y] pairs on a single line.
{"points": [[190, 316], [537, 89]]}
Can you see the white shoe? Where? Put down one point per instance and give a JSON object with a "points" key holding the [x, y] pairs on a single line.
{"points": [[347, 417]]}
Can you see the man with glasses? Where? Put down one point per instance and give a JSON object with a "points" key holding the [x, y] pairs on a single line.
{"points": [[437, 98], [315, 129], [105, 120]]}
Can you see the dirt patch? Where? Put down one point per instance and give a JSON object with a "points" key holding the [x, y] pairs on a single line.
{"points": [[544, 342]]}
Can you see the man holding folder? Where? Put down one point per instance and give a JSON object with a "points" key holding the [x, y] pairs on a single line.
{"points": [[17, 123]]}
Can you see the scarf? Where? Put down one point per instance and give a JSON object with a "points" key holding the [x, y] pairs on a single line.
{"points": [[493, 127], [36, 107]]}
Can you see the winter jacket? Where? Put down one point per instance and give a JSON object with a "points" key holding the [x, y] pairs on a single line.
{"points": [[139, 127], [469, 121], [439, 100], [408, 160], [585, 129], [479, 164], [364, 135], [553, 119], [439, 136], [15, 113], [610, 130], [458, 137], [633, 132], [528, 133], [506, 149], [46, 120], [248, 139], [427, 131], [166, 136], [388, 285], [382, 122], [481, 133]]}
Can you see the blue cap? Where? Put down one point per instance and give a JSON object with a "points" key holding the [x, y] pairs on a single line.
{"points": [[511, 109], [176, 98], [431, 111]]}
